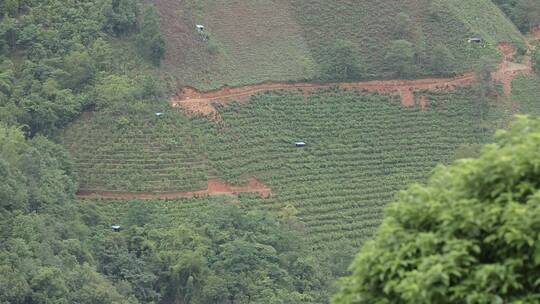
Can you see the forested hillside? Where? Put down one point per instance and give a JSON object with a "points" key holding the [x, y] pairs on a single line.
{"points": [[84, 106], [56, 249], [60, 57], [524, 13]]}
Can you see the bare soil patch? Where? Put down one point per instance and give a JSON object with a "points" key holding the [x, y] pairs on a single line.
{"points": [[194, 101], [407, 97], [508, 69], [423, 102], [507, 49], [215, 187]]}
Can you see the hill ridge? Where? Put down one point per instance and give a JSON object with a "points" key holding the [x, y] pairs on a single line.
{"points": [[249, 42]]}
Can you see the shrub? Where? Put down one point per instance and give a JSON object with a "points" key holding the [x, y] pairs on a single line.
{"points": [[471, 235], [442, 60], [150, 40], [400, 58], [342, 63]]}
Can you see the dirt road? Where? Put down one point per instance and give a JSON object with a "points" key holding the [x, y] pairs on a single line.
{"points": [[194, 101], [215, 187]]}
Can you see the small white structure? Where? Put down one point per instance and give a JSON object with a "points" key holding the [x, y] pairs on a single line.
{"points": [[116, 228], [200, 27], [475, 40], [159, 114], [300, 144]]}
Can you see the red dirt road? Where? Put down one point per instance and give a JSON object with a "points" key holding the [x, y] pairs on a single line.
{"points": [[194, 101], [215, 187]]}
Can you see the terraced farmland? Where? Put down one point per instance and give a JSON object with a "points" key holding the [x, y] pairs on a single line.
{"points": [[139, 152], [247, 42], [361, 149], [526, 91], [372, 25]]}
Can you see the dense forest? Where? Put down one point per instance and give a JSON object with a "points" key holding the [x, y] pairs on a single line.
{"points": [[57, 250], [59, 58]]}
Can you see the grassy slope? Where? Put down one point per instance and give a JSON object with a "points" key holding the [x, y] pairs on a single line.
{"points": [[361, 150], [250, 42], [188, 59], [253, 48], [486, 20], [278, 40]]}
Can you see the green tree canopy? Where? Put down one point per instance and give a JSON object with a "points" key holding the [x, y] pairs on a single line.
{"points": [[402, 26], [400, 57], [150, 41], [121, 15], [524, 13], [42, 257], [79, 68], [342, 63], [225, 254], [442, 61], [471, 235], [483, 75]]}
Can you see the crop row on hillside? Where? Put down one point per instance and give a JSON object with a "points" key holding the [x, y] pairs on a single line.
{"points": [[138, 152], [361, 149], [526, 91], [246, 42]]}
